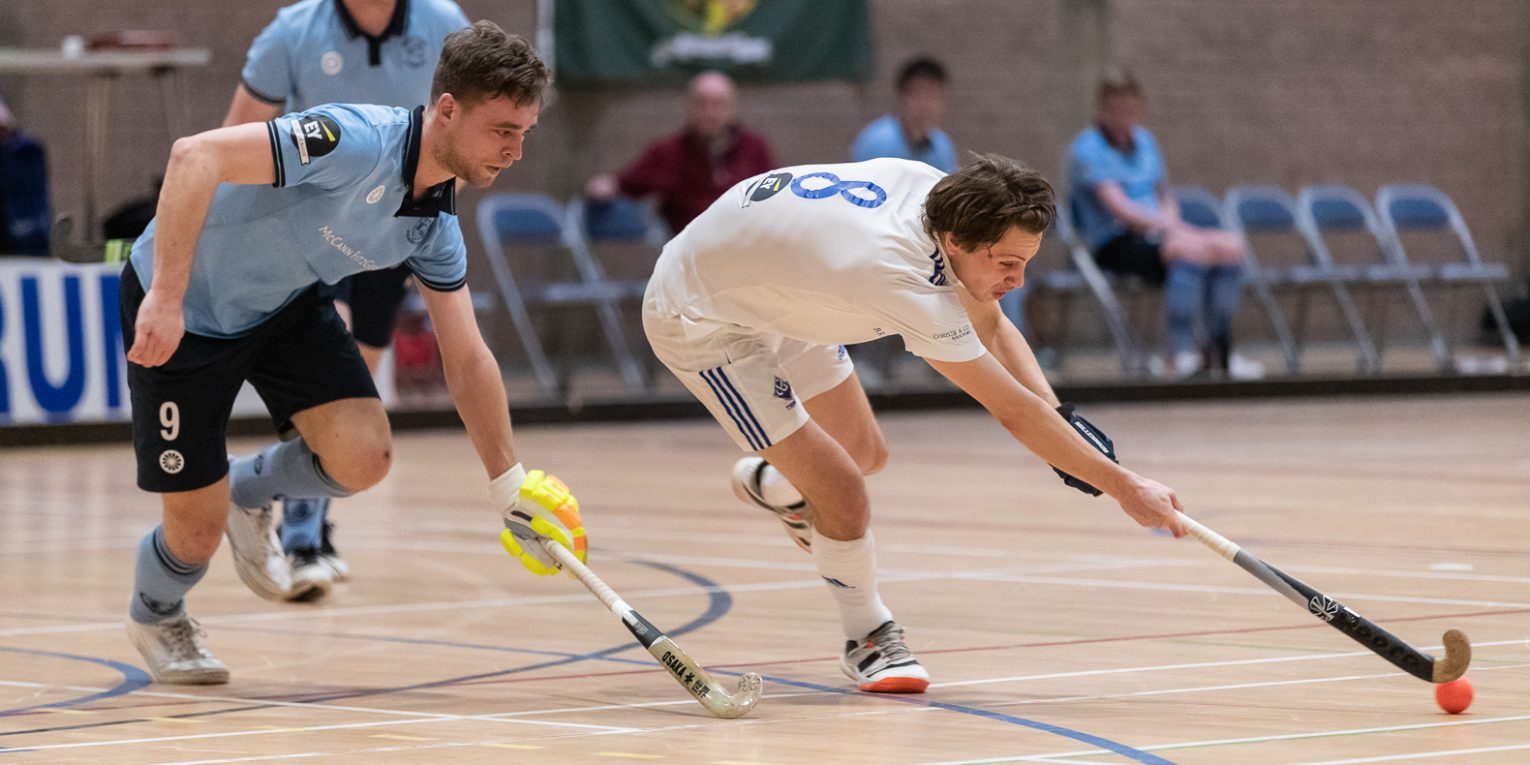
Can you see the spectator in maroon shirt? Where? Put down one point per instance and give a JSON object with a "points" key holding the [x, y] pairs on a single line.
{"points": [[689, 170]]}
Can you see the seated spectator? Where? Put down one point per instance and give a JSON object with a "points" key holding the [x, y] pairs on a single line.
{"points": [[912, 131], [1130, 221], [24, 213], [690, 169]]}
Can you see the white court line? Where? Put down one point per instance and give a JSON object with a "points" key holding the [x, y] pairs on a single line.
{"points": [[1423, 755], [1195, 665], [413, 715], [1246, 740]]}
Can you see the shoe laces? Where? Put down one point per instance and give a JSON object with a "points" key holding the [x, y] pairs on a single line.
{"points": [[182, 636], [888, 641]]}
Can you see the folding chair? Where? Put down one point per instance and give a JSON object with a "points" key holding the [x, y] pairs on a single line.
{"points": [[531, 228], [1087, 273], [1332, 217], [1202, 209], [1410, 211], [1278, 256]]}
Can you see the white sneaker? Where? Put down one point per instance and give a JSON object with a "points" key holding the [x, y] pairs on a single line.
{"points": [[258, 557], [1186, 363], [797, 519], [312, 578], [173, 650], [882, 663], [1244, 368]]}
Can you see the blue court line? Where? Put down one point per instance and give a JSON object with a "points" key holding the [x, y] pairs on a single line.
{"points": [[133, 679], [719, 603]]}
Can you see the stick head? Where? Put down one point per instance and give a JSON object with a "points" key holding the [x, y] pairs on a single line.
{"points": [[750, 689], [1458, 654]]}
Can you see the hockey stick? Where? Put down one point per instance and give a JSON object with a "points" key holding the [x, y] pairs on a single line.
{"points": [[685, 670], [1458, 650]]}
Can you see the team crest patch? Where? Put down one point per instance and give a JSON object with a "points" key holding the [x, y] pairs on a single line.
{"points": [[376, 194], [314, 135], [414, 51], [171, 461], [419, 230]]}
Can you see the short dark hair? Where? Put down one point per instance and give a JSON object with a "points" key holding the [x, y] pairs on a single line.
{"points": [[483, 61], [978, 204], [1118, 81], [920, 68]]}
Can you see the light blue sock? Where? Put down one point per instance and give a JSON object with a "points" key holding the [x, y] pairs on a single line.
{"points": [[161, 581], [303, 523], [287, 469]]}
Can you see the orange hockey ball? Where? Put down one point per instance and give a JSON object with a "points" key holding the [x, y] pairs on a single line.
{"points": [[1455, 696]]}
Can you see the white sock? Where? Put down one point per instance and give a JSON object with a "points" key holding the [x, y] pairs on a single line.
{"points": [[776, 489], [849, 569]]}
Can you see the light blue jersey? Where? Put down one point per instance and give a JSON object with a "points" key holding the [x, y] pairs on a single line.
{"points": [[341, 204], [884, 138], [314, 53], [1093, 161]]}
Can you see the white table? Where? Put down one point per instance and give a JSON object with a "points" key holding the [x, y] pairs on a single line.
{"points": [[100, 69]]}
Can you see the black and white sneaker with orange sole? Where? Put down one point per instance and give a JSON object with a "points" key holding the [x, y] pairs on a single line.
{"points": [[882, 663], [797, 518]]}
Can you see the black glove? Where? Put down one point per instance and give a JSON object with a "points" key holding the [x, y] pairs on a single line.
{"points": [[1095, 437]]}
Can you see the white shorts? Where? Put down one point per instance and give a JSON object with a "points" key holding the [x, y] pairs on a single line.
{"points": [[752, 383]]}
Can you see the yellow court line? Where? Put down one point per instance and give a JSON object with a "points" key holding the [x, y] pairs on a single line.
{"points": [[181, 720], [628, 755], [740, 762], [515, 746]]}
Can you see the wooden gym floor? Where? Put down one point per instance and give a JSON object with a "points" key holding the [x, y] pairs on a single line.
{"points": [[1055, 629]]}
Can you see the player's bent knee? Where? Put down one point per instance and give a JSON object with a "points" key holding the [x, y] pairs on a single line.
{"points": [[361, 467], [873, 457]]}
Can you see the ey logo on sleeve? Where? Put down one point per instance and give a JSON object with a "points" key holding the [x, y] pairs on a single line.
{"points": [[314, 136]]}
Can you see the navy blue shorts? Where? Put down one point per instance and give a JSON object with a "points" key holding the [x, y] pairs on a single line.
{"points": [[298, 359], [1131, 253], [374, 298]]}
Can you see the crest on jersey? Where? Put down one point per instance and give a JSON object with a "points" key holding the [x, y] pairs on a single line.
{"points": [[376, 194], [414, 51], [314, 135], [171, 461], [419, 230]]}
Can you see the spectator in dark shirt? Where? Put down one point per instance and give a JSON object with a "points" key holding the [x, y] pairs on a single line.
{"points": [[24, 209], [687, 171]]}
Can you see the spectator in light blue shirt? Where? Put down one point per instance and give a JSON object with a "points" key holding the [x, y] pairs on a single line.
{"points": [[1124, 210], [912, 131]]}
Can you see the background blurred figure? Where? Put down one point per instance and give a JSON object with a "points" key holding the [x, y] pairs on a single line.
{"points": [[24, 210], [356, 52], [1129, 219], [912, 131], [690, 169]]}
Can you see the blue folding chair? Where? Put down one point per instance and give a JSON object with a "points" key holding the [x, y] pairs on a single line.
{"points": [[1202, 209], [554, 271], [1408, 213], [1344, 232], [1278, 255]]}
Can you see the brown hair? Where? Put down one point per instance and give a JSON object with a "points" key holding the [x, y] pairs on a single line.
{"points": [[483, 61], [1118, 81], [978, 204]]}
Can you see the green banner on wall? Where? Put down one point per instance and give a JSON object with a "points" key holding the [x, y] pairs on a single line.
{"points": [[661, 42]]}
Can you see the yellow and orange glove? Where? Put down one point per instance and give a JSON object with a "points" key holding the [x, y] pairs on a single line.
{"points": [[537, 506]]}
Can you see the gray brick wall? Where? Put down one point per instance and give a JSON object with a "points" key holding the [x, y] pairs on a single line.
{"points": [[1284, 91]]}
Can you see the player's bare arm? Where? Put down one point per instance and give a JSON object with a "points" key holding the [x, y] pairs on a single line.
{"points": [[197, 165], [245, 108], [1005, 342], [472, 376], [1035, 424]]}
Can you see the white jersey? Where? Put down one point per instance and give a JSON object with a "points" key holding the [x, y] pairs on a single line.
{"points": [[825, 254]]}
